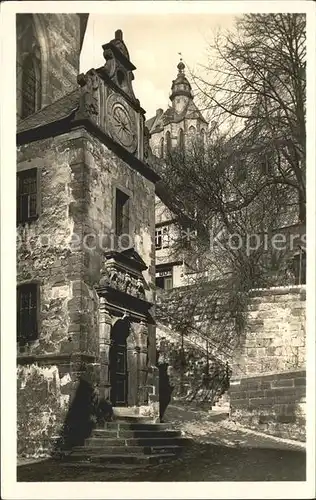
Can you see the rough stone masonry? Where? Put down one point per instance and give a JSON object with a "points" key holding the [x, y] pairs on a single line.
{"points": [[268, 387]]}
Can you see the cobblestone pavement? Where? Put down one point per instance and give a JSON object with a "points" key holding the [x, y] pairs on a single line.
{"points": [[219, 451], [208, 427], [200, 462]]}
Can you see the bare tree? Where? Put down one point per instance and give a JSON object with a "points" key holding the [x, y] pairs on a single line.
{"points": [[231, 194], [256, 80]]}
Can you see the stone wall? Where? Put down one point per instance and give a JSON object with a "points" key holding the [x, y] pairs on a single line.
{"points": [[196, 310], [51, 415], [268, 359], [77, 177], [274, 340], [59, 39], [44, 250], [195, 375], [63, 39], [268, 387], [100, 175], [273, 403]]}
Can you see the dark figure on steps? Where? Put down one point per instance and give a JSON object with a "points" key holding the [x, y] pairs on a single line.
{"points": [[165, 389]]}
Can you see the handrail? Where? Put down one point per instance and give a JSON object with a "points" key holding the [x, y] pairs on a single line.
{"points": [[196, 332], [201, 348], [191, 341]]}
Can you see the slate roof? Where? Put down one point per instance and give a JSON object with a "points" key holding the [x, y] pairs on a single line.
{"points": [[54, 112]]}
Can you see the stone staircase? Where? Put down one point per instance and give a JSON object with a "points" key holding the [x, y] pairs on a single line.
{"points": [[127, 443]]}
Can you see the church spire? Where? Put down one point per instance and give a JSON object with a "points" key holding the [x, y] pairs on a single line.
{"points": [[180, 88]]}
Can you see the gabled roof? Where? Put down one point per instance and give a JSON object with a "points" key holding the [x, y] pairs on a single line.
{"points": [[128, 256], [54, 112]]}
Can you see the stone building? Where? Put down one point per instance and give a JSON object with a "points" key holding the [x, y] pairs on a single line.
{"points": [[85, 229], [171, 129]]}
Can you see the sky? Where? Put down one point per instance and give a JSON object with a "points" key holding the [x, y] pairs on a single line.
{"points": [[154, 42]]}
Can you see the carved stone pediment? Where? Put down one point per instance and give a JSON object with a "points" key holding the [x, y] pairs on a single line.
{"points": [[118, 66], [122, 272], [107, 100], [89, 105]]}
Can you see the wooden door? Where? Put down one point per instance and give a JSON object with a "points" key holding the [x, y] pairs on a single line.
{"points": [[118, 368]]}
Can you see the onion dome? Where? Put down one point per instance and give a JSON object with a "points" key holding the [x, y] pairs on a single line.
{"points": [[181, 86]]}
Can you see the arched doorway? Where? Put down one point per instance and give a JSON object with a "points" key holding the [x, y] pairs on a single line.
{"points": [[118, 363]]}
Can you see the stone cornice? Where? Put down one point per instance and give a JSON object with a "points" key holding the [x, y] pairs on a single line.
{"points": [[67, 124], [53, 358]]}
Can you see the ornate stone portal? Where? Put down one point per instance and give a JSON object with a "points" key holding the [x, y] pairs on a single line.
{"points": [[123, 330]]}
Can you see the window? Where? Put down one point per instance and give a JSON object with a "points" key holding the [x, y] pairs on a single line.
{"points": [[161, 151], [27, 195], [164, 279], [168, 142], [203, 139], [29, 86], [27, 313], [181, 139], [299, 265], [28, 66], [121, 213], [162, 237], [266, 164]]}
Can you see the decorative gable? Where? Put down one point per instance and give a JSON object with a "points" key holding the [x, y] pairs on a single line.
{"points": [[121, 273], [108, 100]]}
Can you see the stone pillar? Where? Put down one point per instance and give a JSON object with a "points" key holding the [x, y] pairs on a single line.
{"points": [[105, 325]]}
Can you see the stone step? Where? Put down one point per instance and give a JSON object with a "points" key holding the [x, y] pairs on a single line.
{"points": [[136, 441], [129, 433], [218, 414], [134, 426], [133, 419], [104, 466], [117, 450], [122, 458]]}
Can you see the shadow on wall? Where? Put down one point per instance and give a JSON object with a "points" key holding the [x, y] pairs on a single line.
{"points": [[86, 411]]}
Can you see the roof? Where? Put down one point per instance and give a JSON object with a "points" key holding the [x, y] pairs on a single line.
{"points": [[83, 26], [54, 112], [190, 111], [150, 122]]}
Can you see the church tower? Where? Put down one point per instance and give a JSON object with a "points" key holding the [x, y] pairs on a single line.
{"points": [[173, 129], [181, 92], [182, 120]]}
